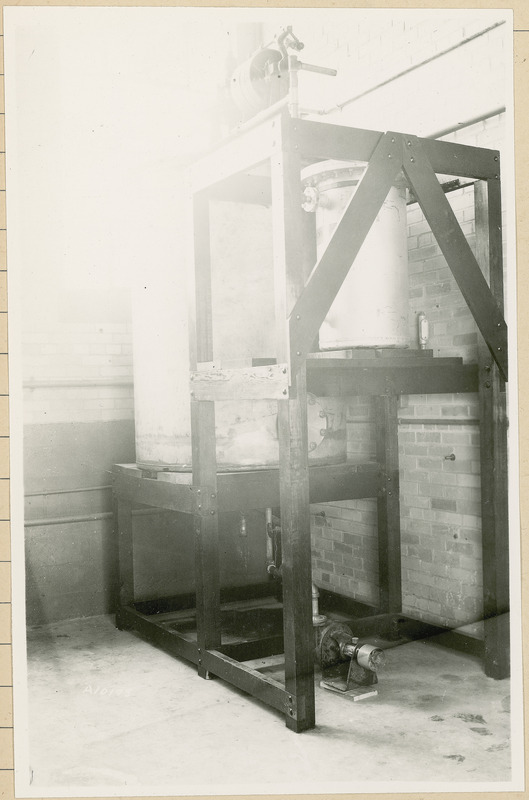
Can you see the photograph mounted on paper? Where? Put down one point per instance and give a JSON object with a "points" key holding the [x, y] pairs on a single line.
{"points": [[263, 384]]}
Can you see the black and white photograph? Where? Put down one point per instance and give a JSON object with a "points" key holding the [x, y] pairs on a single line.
{"points": [[261, 279]]}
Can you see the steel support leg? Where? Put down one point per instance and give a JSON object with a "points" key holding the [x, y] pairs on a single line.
{"points": [[296, 548]]}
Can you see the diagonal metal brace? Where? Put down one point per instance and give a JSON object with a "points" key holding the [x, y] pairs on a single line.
{"points": [[455, 248], [333, 266]]}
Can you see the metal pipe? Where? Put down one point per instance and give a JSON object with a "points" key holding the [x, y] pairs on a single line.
{"points": [[473, 121], [76, 382], [43, 523], [317, 618], [447, 421], [68, 491], [340, 106], [269, 539]]}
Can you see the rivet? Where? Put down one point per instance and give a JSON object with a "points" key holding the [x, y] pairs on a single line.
{"points": [[200, 661], [192, 377], [496, 158], [487, 384], [389, 155], [499, 349], [389, 478], [192, 394], [200, 506], [199, 650], [409, 144], [290, 698], [297, 316], [499, 324], [389, 494], [393, 140], [298, 352], [212, 513], [284, 370], [213, 496], [290, 712], [284, 391], [496, 176], [198, 491], [412, 159]]}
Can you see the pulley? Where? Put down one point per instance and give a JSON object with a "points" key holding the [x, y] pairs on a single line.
{"points": [[270, 75]]}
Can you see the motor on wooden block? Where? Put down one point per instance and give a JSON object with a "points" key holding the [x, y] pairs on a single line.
{"points": [[347, 666]]}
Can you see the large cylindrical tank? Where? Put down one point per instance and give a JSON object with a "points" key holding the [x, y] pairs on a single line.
{"points": [[243, 328], [371, 308]]}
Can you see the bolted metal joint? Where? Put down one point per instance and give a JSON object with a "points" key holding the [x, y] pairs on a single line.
{"points": [[205, 501]]}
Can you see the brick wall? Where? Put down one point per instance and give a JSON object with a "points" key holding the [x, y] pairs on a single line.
{"points": [[440, 497]]}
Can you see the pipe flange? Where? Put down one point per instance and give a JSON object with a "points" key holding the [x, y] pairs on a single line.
{"points": [[329, 649]]}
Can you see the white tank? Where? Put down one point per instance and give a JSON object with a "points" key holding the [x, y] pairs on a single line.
{"points": [[371, 308], [243, 327]]}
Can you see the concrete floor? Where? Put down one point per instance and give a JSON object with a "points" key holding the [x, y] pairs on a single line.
{"points": [[108, 710]]}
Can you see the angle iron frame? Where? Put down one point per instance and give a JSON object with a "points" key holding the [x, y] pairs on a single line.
{"points": [[305, 288]]}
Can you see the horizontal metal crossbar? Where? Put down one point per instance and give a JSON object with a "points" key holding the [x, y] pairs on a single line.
{"points": [[244, 383], [339, 377], [317, 140], [259, 488], [169, 640], [263, 687], [236, 154], [184, 497]]}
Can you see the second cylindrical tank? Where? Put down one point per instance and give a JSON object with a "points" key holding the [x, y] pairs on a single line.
{"points": [[371, 308]]}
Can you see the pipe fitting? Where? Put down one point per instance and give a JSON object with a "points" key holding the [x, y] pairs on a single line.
{"points": [[317, 618]]}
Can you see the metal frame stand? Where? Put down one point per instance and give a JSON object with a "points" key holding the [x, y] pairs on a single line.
{"points": [[303, 296]]}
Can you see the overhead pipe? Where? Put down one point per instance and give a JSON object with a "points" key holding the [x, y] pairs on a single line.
{"points": [[412, 68]]}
